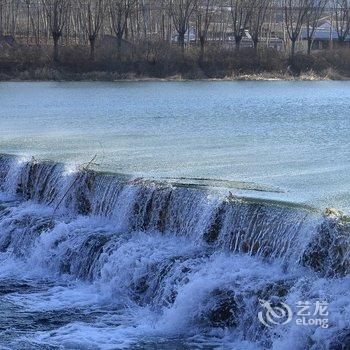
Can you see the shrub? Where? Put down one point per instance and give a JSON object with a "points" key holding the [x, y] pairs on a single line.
{"points": [[160, 60]]}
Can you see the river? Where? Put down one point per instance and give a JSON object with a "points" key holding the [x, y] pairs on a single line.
{"points": [[201, 222]]}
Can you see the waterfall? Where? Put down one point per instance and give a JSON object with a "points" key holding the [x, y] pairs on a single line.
{"points": [[195, 258]]}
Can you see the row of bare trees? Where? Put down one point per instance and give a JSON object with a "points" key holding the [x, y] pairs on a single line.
{"points": [[83, 21]]}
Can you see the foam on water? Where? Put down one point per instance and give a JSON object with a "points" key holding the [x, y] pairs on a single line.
{"points": [[92, 260]]}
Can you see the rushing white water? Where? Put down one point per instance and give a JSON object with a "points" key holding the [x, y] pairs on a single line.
{"points": [[93, 260]]}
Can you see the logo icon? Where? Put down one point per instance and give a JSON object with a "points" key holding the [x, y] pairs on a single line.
{"points": [[273, 315]]}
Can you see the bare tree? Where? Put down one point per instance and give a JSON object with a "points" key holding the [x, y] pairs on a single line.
{"points": [[92, 13], [180, 11], [257, 20], [241, 12], [11, 12], [2, 5], [205, 10], [225, 19], [161, 19], [57, 14], [144, 9], [119, 11], [342, 19], [294, 15], [313, 16], [28, 4], [149, 24], [36, 20]]}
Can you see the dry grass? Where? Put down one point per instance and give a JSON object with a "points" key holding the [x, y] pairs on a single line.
{"points": [[168, 63]]}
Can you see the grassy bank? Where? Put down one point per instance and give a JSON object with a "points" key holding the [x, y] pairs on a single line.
{"points": [[34, 64]]}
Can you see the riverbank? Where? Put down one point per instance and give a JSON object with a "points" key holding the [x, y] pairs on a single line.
{"points": [[75, 64], [51, 74]]}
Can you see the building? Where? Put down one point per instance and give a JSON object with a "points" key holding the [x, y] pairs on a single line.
{"points": [[324, 35], [190, 36], [6, 40]]}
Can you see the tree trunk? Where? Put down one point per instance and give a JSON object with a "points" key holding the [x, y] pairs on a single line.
{"points": [[202, 49], [309, 45], [292, 52], [56, 37], [92, 40], [119, 45], [238, 40], [163, 26], [181, 40], [28, 23], [255, 45], [1, 24]]}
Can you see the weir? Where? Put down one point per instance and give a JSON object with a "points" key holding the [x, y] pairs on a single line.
{"points": [[269, 229], [191, 256]]}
